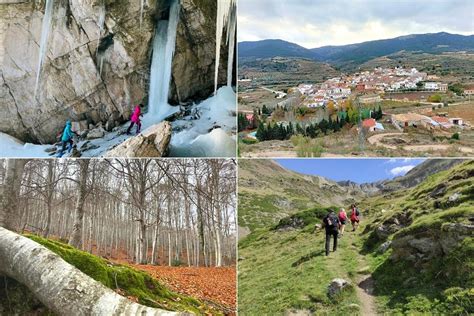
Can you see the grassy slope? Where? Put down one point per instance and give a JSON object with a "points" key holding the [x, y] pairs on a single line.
{"points": [[269, 282], [131, 282], [281, 271], [446, 283]]}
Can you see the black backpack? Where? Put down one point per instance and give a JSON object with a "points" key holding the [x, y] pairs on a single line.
{"points": [[332, 220]]}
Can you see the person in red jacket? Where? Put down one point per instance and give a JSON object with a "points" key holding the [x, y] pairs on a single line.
{"points": [[135, 119], [354, 217], [343, 219]]}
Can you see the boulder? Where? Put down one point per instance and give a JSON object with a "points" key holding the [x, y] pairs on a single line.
{"points": [[336, 286], [95, 133], [384, 247], [454, 197], [153, 142], [80, 126], [453, 233]]}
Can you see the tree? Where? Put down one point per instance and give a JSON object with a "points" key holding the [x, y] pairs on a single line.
{"points": [[58, 285], [261, 133], [76, 237], [456, 88], [11, 191], [434, 98], [331, 108]]}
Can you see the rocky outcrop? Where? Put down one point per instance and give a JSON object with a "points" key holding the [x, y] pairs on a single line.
{"points": [[393, 224], [151, 143], [429, 243], [92, 75]]}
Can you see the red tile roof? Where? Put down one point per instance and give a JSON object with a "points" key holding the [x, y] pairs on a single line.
{"points": [[369, 123], [440, 119]]}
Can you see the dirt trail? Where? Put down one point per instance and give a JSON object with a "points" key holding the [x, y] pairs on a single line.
{"points": [[364, 284], [271, 154], [365, 287], [364, 290], [377, 140]]}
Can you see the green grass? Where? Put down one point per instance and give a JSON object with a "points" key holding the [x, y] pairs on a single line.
{"points": [[131, 281], [270, 282], [444, 284]]}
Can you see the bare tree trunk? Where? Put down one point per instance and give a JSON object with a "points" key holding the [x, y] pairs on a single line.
{"points": [[11, 192], [75, 239], [61, 287]]}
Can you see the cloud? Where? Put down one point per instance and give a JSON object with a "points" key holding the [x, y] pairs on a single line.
{"points": [[400, 171], [315, 23]]}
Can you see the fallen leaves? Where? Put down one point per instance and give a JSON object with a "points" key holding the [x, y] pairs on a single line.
{"points": [[214, 285]]}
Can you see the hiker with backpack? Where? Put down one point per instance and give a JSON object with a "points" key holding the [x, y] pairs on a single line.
{"points": [[331, 224], [342, 219], [354, 217]]}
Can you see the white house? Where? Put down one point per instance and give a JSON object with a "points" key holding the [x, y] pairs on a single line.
{"points": [[456, 121], [431, 86]]}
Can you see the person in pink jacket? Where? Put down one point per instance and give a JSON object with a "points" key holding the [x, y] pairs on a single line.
{"points": [[135, 119]]}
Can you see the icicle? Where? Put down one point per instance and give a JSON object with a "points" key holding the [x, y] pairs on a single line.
{"points": [[100, 23], [142, 2], [164, 44], [223, 10], [231, 25], [47, 18], [101, 64]]}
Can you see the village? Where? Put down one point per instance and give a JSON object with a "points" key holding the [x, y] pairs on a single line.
{"points": [[387, 101]]}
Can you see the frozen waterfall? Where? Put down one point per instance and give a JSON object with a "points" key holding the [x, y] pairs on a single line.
{"points": [[225, 9], [164, 43], [45, 28]]}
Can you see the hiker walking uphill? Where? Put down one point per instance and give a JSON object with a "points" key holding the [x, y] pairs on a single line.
{"points": [[342, 219], [331, 224], [354, 217], [135, 119]]}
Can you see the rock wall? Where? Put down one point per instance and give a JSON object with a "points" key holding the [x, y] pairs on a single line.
{"points": [[87, 76]]}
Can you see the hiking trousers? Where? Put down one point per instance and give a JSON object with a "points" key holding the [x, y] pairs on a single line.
{"points": [[334, 234], [139, 126], [69, 143]]}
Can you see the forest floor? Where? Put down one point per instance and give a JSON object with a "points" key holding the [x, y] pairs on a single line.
{"points": [[215, 286]]}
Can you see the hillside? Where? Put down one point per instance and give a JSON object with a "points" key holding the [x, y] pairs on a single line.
{"points": [[434, 43], [380, 52], [272, 48], [412, 254], [268, 192], [285, 70]]}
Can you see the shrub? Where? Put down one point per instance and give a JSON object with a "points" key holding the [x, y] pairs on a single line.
{"points": [[455, 136], [249, 141]]}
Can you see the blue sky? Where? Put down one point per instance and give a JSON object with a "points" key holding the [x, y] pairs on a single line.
{"points": [[356, 170], [315, 23]]}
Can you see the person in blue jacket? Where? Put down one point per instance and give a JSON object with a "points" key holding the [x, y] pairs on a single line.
{"points": [[66, 138]]}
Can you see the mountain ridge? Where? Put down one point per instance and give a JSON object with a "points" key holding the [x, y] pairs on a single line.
{"points": [[435, 43]]}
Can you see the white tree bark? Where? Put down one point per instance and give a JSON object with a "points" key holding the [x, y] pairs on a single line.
{"points": [[10, 192], [76, 236], [58, 285]]}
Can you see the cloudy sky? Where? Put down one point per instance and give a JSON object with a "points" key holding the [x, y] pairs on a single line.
{"points": [[315, 23], [356, 170]]}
